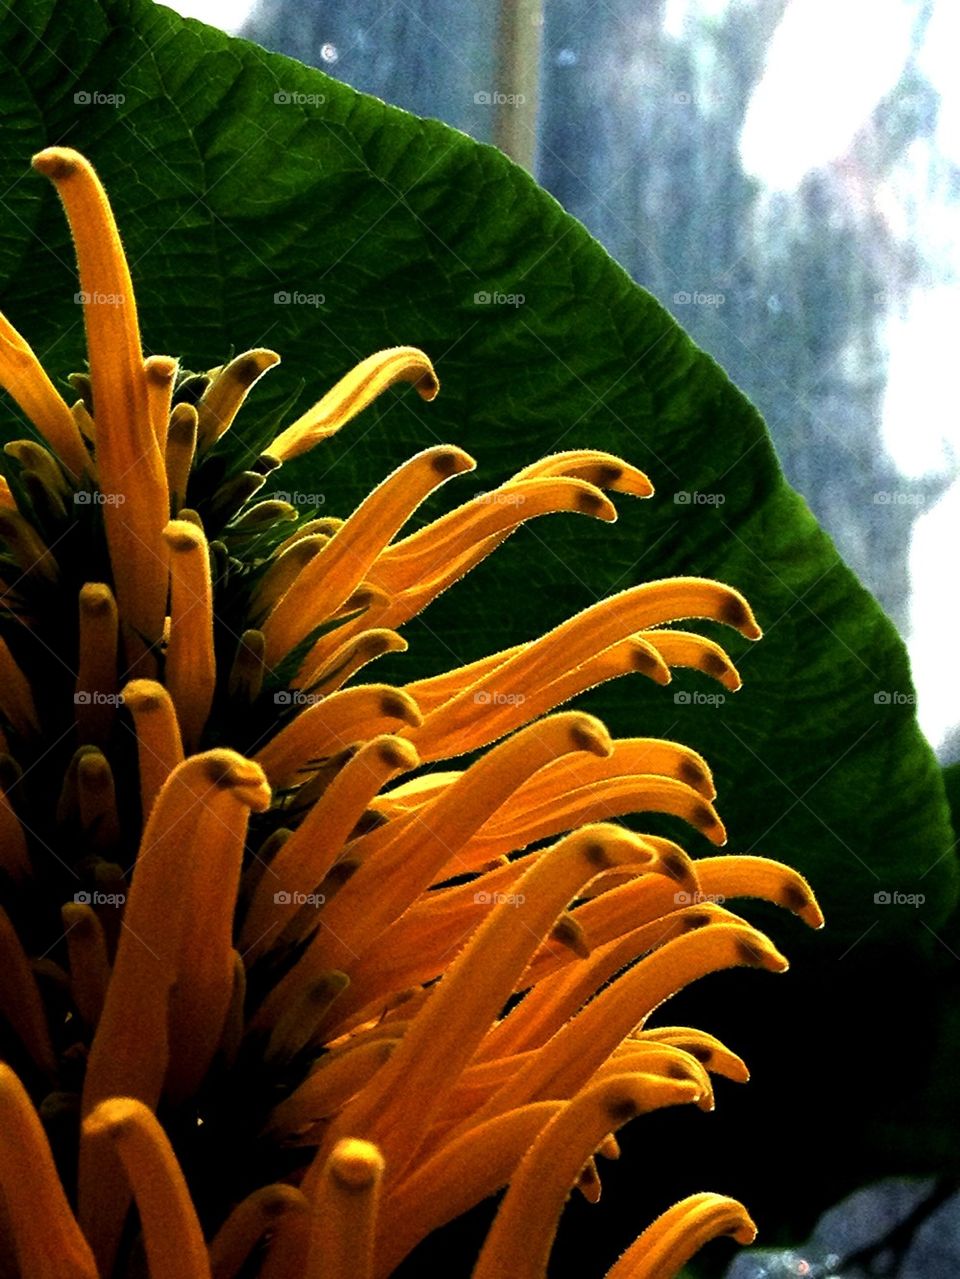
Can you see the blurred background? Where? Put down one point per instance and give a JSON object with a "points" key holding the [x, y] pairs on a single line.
{"points": [[784, 175]]}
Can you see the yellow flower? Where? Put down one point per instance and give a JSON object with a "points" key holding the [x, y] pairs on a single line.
{"points": [[309, 1001]]}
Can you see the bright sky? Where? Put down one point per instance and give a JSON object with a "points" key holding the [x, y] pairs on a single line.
{"points": [[228, 15], [829, 64]]}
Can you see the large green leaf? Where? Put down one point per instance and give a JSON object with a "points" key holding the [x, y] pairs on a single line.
{"points": [[238, 176]]}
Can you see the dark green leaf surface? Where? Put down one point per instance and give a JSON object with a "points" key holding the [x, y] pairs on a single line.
{"points": [[238, 176]]}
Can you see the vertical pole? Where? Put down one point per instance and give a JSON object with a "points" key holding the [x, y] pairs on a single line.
{"points": [[519, 32]]}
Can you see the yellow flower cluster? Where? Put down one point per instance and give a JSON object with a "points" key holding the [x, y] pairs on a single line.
{"points": [[310, 1000]]}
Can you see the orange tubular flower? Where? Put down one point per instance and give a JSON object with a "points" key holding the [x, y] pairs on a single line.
{"points": [[313, 1000]]}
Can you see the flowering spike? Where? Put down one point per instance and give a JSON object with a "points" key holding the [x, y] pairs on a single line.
{"points": [[583, 1044], [190, 674], [327, 581], [261, 1212], [27, 549], [308, 854], [335, 969], [89, 963], [330, 1086], [20, 1002], [326, 726], [97, 800], [247, 671], [355, 653], [556, 997], [159, 747], [172, 1236], [129, 462], [43, 1231], [285, 568], [39, 464], [684, 648], [531, 1207], [209, 796], [16, 699], [344, 1217], [602, 469], [161, 373], [408, 863], [480, 713], [490, 516], [180, 449], [96, 687], [461, 1173], [447, 1032], [717, 1058], [221, 401], [22, 374], [352, 394], [669, 1243], [745, 876], [85, 425]]}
